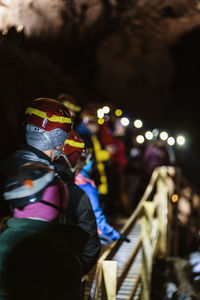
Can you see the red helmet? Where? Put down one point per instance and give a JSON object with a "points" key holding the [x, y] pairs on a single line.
{"points": [[74, 143], [48, 114], [72, 150], [69, 102]]}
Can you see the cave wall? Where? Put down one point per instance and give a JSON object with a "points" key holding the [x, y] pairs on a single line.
{"points": [[131, 53]]}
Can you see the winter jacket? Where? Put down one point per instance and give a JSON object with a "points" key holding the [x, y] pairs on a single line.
{"points": [[79, 212], [154, 157], [40, 260], [89, 187], [102, 157], [119, 159]]}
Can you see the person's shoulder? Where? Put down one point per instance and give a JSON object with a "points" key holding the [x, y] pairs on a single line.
{"points": [[76, 189]]}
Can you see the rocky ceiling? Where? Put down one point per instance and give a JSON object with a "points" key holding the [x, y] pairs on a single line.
{"points": [[142, 55]]}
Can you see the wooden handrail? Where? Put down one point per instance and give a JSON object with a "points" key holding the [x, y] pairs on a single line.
{"points": [[157, 185], [128, 264]]}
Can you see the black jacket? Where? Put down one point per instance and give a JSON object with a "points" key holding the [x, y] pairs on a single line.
{"points": [[40, 260], [79, 212]]}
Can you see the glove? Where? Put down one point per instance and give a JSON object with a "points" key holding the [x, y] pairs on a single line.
{"points": [[124, 238]]}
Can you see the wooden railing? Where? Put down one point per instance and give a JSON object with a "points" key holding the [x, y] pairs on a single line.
{"points": [[151, 213]]}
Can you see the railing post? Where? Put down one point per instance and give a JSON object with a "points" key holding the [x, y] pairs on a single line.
{"points": [[109, 269], [147, 250], [162, 211]]}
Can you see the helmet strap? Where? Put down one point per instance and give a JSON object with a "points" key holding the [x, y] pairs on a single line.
{"points": [[50, 204], [68, 162]]}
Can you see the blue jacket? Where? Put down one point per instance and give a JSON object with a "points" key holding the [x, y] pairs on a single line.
{"points": [[102, 224]]}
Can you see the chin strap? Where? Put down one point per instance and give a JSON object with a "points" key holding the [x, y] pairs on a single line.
{"points": [[68, 162]]}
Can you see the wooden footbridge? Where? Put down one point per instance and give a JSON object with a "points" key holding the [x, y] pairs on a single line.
{"points": [[123, 270]]}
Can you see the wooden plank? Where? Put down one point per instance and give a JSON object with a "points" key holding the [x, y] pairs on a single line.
{"points": [[109, 268]]}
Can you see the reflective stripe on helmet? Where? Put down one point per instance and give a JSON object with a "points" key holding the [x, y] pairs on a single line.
{"points": [[71, 106], [74, 144], [43, 115]]}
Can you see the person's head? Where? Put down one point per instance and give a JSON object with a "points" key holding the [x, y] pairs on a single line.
{"points": [[72, 150], [34, 191], [47, 125], [89, 119], [70, 103], [119, 129]]}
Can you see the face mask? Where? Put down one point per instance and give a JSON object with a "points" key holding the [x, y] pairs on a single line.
{"points": [[57, 153]]}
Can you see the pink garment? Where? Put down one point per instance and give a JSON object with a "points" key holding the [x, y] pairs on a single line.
{"points": [[80, 180], [57, 195]]}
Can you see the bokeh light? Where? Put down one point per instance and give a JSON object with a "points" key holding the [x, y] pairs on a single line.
{"points": [[180, 140], [140, 139], [149, 135], [118, 112], [138, 123], [124, 121], [164, 135]]}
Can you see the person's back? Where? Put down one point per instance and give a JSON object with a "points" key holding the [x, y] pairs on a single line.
{"points": [[155, 155], [39, 256], [37, 261], [79, 210]]}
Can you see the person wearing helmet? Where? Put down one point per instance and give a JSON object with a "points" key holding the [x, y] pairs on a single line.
{"points": [[36, 248], [89, 130], [79, 211], [47, 124], [106, 232], [70, 103]]}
